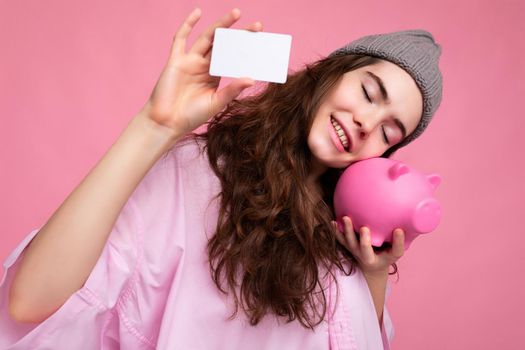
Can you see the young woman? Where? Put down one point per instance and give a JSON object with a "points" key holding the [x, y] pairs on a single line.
{"points": [[174, 231]]}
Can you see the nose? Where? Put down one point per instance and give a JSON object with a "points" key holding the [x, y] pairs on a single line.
{"points": [[366, 123]]}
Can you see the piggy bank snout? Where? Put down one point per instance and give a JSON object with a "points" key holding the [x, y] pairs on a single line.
{"points": [[427, 215]]}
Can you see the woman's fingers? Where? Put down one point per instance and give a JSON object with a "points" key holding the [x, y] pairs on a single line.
{"points": [[398, 245], [350, 235], [255, 26], [205, 40], [228, 93], [341, 236], [338, 234], [363, 250], [367, 252], [179, 41]]}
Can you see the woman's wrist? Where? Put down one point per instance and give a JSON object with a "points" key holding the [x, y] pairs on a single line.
{"points": [[159, 136], [377, 281]]}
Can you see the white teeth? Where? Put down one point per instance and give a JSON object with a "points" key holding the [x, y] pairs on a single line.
{"points": [[340, 133]]}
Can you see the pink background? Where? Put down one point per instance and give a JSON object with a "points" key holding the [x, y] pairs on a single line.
{"points": [[73, 73]]}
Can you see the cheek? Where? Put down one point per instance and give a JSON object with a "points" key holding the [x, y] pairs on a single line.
{"points": [[316, 131], [344, 99]]}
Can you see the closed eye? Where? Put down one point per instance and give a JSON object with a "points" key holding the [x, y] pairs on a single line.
{"points": [[370, 100], [366, 94], [384, 136]]}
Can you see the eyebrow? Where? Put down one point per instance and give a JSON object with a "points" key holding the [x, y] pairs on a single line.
{"points": [[384, 94]]}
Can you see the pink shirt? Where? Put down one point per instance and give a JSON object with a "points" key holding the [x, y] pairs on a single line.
{"points": [[151, 287]]}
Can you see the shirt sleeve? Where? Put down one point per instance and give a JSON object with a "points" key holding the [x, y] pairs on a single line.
{"points": [[93, 317]]}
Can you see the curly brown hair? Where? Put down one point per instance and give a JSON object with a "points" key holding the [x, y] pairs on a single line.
{"points": [[273, 234]]}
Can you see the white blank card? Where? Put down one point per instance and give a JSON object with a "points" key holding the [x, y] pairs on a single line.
{"points": [[240, 53]]}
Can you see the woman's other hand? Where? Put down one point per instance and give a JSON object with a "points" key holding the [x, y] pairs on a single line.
{"points": [[369, 261], [186, 96]]}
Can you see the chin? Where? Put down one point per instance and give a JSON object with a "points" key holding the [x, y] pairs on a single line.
{"points": [[332, 162]]}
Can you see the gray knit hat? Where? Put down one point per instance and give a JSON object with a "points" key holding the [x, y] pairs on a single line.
{"points": [[417, 53]]}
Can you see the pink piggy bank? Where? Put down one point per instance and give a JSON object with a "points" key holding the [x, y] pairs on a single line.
{"points": [[384, 194]]}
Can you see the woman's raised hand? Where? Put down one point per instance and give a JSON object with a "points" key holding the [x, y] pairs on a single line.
{"points": [[362, 249], [186, 96]]}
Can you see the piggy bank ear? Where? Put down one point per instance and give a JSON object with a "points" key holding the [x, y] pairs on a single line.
{"points": [[397, 170], [434, 180]]}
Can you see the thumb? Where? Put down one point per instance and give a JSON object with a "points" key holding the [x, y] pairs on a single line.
{"points": [[229, 92]]}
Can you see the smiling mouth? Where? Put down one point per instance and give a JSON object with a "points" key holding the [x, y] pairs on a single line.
{"points": [[341, 134]]}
